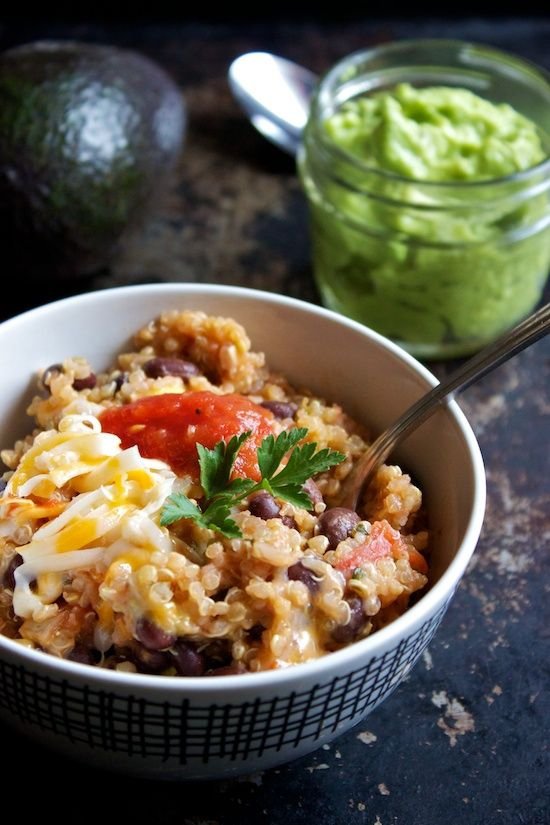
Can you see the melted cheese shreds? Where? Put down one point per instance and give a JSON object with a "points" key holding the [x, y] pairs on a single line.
{"points": [[106, 507], [61, 461]]}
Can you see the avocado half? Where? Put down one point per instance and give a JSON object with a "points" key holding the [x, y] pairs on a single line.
{"points": [[89, 135]]}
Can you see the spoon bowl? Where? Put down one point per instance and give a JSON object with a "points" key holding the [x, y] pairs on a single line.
{"points": [[275, 93]]}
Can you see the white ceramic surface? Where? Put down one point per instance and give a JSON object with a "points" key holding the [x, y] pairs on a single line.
{"points": [[186, 728]]}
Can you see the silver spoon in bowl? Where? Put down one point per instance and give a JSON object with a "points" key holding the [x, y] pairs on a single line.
{"points": [[530, 330], [275, 93]]}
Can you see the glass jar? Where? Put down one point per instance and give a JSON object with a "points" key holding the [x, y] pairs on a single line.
{"points": [[442, 268]]}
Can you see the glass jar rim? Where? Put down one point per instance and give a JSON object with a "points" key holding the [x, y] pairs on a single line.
{"points": [[496, 56]]}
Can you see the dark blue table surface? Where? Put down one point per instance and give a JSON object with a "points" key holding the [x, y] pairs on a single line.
{"points": [[465, 738]]}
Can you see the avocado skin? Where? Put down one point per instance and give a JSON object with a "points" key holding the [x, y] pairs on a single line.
{"points": [[89, 135]]}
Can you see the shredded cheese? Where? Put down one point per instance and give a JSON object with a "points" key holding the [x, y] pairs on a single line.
{"points": [[99, 502]]}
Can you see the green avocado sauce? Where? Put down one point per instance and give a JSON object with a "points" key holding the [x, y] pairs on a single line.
{"points": [[417, 229]]}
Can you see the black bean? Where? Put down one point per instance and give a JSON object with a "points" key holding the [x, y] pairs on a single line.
{"points": [[313, 492], [300, 573], [152, 636], [160, 367], [9, 574], [218, 653], [3, 485], [150, 661], [336, 524], [255, 633], [264, 506], [346, 633], [48, 374], [83, 654], [187, 660], [281, 409], [87, 383], [289, 521]]}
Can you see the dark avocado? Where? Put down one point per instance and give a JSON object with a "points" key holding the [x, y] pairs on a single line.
{"points": [[88, 136]]}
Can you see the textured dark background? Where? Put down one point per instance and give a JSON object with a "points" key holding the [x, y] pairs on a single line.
{"points": [[465, 738]]}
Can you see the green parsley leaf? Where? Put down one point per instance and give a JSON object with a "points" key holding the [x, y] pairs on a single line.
{"points": [[178, 506], [221, 493], [216, 465], [272, 450], [239, 488], [303, 463], [217, 517], [294, 494]]}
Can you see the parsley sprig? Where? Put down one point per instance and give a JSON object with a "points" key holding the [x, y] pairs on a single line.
{"points": [[221, 492]]}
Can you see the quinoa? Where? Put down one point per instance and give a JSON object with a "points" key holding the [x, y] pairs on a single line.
{"points": [[185, 599]]}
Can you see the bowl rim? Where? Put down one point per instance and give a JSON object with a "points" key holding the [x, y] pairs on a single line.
{"points": [[370, 647]]}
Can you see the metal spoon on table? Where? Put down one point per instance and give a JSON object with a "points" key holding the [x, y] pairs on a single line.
{"points": [[534, 327], [275, 93]]}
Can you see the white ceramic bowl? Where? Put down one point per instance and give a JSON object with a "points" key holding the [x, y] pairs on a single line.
{"points": [[185, 728]]}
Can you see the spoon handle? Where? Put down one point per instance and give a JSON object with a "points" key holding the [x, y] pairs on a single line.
{"points": [[529, 331]]}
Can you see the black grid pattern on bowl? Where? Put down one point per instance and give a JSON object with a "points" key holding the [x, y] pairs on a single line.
{"points": [[183, 731]]}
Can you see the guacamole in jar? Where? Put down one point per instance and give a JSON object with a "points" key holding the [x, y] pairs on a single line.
{"points": [[421, 227]]}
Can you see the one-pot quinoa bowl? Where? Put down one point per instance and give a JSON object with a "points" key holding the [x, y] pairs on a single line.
{"points": [[181, 592]]}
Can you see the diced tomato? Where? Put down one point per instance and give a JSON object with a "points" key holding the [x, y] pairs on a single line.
{"points": [[417, 560], [378, 544], [169, 427], [382, 541]]}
